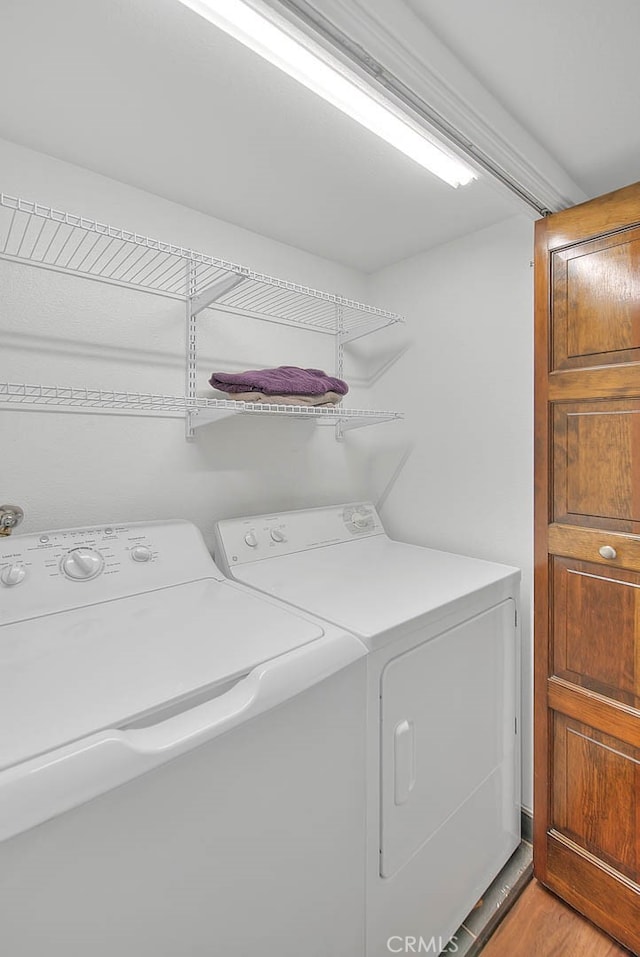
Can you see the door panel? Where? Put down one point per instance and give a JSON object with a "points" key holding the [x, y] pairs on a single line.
{"points": [[596, 449], [574, 542], [596, 302], [586, 883], [596, 628], [594, 770]]}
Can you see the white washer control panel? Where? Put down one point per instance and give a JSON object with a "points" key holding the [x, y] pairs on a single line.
{"points": [[73, 567], [242, 540]]}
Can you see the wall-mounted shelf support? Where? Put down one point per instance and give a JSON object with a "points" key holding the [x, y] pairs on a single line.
{"points": [[216, 290], [37, 235], [339, 360], [191, 384]]}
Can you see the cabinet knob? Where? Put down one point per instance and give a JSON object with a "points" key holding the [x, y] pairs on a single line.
{"points": [[608, 552]]}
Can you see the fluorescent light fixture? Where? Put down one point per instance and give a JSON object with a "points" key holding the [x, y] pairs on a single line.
{"points": [[262, 31]]}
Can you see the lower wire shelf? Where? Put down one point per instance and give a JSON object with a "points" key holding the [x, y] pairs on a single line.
{"points": [[62, 398], [200, 411], [211, 410]]}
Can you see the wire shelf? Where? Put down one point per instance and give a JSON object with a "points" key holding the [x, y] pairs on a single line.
{"points": [[90, 400], [202, 411], [64, 242], [209, 410]]}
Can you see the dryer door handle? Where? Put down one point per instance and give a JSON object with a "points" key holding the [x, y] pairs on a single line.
{"points": [[404, 749], [48, 785]]}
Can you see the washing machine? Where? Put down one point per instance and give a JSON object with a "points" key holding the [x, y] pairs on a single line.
{"points": [[181, 758], [443, 755]]}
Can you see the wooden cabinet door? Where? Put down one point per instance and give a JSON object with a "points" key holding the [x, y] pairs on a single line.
{"points": [[587, 562]]}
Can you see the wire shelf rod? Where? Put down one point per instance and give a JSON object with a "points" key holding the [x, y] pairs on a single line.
{"points": [[156, 274], [275, 320], [70, 235], [167, 294], [9, 231], [279, 303], [97, 266]]}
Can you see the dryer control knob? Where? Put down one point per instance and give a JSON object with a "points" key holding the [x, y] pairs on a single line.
{"points": [[277, 535], [251, 540], [13, 574], [359, 519], [82, 564], [141, 553]]}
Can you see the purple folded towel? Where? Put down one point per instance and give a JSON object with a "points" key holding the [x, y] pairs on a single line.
{"points": [[285, 380]]}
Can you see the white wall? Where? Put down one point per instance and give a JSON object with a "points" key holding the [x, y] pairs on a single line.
{"points": [[462, 458], [460, 475], [72, 469]]}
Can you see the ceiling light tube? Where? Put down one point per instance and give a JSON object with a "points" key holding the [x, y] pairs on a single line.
{"points": [[310, 65]]}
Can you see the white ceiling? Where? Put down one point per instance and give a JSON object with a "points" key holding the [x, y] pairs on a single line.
{"points": [[146, 92], [567, 70]]}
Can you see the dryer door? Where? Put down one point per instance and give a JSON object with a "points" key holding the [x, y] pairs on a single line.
{"points": [[448, 730]]}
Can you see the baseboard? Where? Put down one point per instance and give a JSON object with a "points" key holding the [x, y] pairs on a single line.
{"points": [[526, 825], [498, 899]]}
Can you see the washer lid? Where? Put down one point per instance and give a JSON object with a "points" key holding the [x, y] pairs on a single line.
{"points": [[67, 675], [374, 584]]}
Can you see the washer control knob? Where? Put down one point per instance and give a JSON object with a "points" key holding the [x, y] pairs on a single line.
{"points": [[277, 535], [82, 564], [251, 540], [13, 574], [141, 553], [359, 519]]}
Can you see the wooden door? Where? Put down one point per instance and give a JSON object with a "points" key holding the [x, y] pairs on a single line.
{"points": [[587, 564]]}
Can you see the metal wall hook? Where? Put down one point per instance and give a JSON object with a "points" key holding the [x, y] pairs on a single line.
{"points": [[10, 517]]}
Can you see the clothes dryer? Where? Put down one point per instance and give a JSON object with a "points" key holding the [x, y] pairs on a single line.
{"points": [[443, 702]]}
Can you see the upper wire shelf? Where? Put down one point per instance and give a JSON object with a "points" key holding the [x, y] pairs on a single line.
{"points": [[65, 242]]}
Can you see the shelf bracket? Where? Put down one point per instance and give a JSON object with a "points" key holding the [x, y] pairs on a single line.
{"points": [[360, 334], [339, 361], [217, 289], [346, 425], [191, 382]]}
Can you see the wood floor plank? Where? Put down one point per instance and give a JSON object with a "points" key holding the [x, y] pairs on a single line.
{"points": [[541, 925]]}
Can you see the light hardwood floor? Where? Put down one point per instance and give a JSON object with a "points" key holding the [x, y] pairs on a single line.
{"points": [[541, 925]]}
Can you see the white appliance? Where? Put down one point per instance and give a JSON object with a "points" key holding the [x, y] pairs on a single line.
{"points": [[181, 759], [443, 679]]}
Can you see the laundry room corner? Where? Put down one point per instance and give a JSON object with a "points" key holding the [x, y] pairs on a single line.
{"points": [[457, 474]]}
